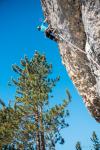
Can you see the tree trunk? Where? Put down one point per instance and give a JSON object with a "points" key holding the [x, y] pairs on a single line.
{"points": [[42, 130], [38, 145], [42, 141], [78, 21]]}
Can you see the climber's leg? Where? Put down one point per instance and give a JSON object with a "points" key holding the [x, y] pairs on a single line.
{"points": [[51, 36]]}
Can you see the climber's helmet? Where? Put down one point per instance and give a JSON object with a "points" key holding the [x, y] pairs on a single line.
{"points": [[39, 28]]}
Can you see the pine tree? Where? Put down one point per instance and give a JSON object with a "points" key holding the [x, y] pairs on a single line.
{"points": [[41, 124], [78, 146], [95, 141], [9, 121]]}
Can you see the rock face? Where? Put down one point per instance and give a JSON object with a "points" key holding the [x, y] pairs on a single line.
{"points": [[78, 21]]}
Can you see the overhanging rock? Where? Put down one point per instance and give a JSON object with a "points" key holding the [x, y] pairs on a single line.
{"points": [[78, 21]]}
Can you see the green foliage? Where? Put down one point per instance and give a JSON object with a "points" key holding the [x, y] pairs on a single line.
{"points": [[41, 124], [78, 146], [9, 121], [95, 141]]}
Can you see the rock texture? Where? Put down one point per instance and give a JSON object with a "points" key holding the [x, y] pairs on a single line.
{"points": [[78, 21]]}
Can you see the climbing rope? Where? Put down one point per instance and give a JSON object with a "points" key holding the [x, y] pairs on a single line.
{"points": [[71, 45]]}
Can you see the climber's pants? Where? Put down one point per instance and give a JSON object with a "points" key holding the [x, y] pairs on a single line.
{"points": [[50, 35]]}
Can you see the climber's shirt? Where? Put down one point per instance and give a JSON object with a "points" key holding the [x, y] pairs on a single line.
{"points": [[43, 28]]}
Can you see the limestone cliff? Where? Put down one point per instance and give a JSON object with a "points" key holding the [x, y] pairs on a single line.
{"points": [[78, 21]]}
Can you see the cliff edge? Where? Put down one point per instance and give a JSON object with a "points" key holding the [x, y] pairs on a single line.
{"points": [[78, 21]]}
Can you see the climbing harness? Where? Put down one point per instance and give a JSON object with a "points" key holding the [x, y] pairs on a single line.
{"points": [[71, 45]]}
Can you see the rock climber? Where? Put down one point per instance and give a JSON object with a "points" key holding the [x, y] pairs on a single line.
{"points": [[49, 32]]}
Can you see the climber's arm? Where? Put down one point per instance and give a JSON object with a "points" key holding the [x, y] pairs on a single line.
{"points": [[45, 20]]}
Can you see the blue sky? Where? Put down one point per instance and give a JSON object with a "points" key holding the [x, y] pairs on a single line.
{"points": [[19, 37]]}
